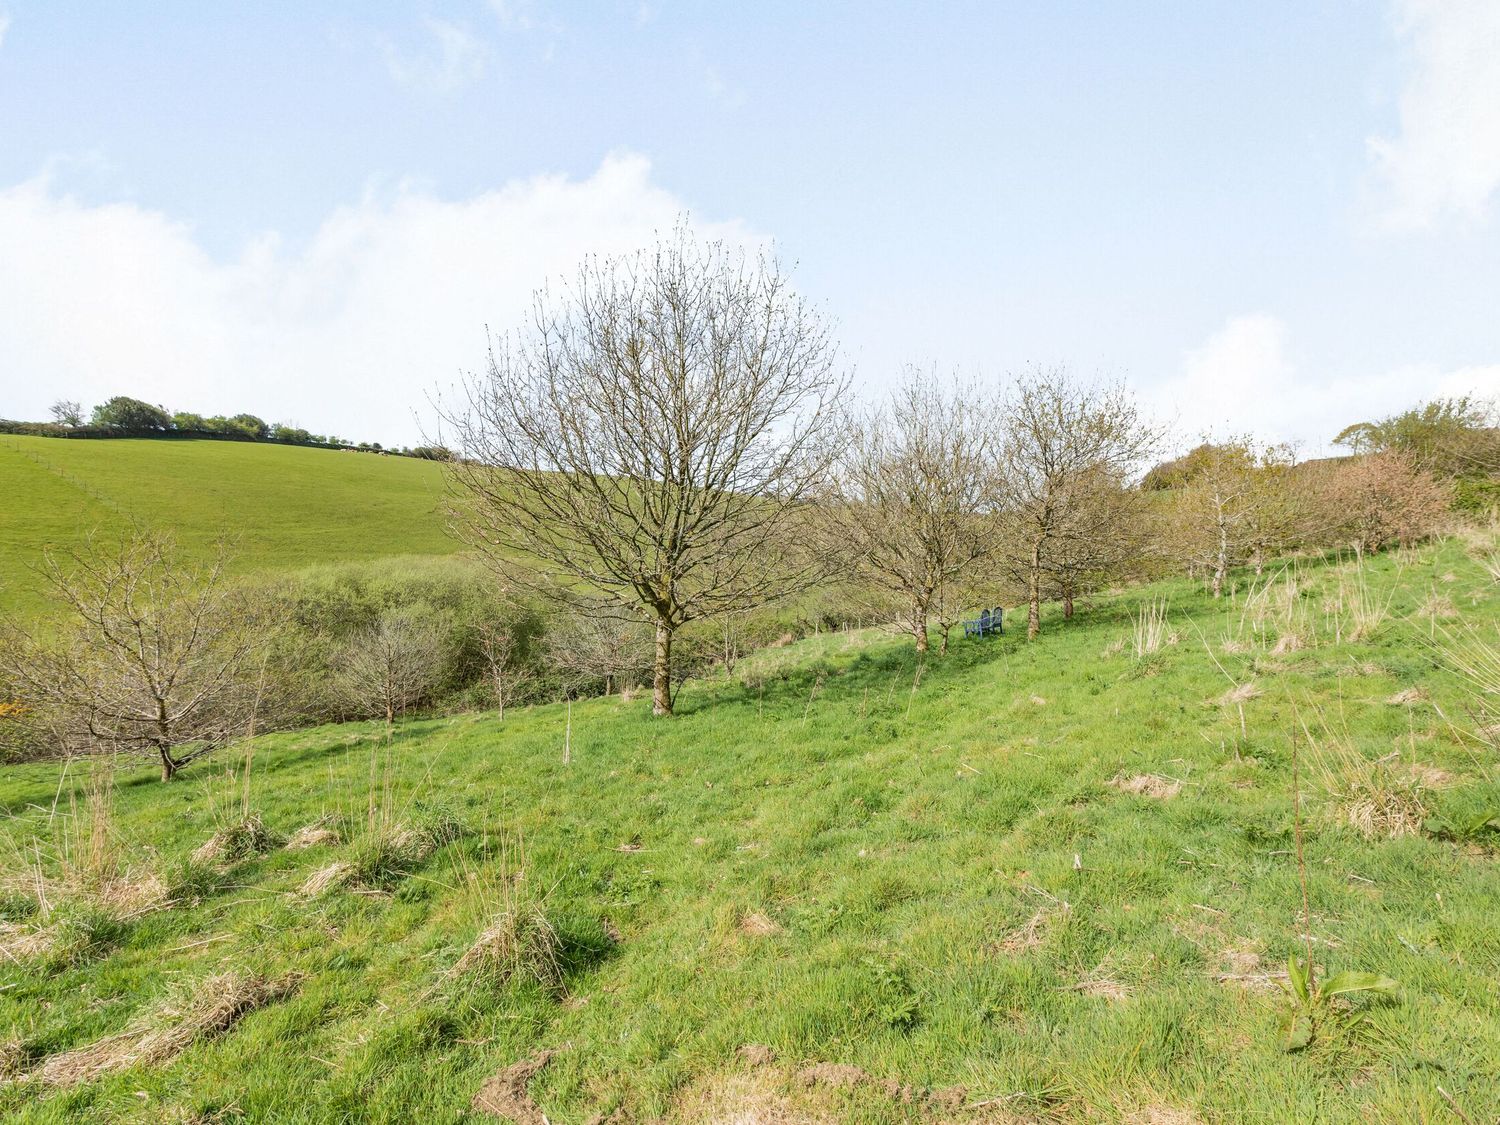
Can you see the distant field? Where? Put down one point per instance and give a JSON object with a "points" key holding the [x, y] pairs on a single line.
{"points": [[1045, 883], [286, 506]]}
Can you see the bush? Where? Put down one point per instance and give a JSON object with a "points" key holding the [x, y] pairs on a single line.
{"points": [[122, 413]]}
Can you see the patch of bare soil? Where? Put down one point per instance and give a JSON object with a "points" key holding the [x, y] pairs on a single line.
{"points": [[505, 1093], [1161, 1115], [1148, 785]]}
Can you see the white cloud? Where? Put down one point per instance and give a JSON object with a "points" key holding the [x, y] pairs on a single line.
{"points": [[451, 60], [1246, 379], [4, 26], [350, 333], [1444, 161]]}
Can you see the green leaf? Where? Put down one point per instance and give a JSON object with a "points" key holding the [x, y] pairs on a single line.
{"points": [[1343, 983], [1296, 975], [1485, 820], [1296, 1031]]}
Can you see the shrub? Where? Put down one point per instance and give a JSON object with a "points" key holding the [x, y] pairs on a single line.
{"points": [[122, 413]]}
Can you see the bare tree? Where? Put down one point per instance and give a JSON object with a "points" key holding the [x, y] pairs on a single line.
{"points": [[649, 438], [914, 511], [153, 655], [1061, 436], [67, 412], [1236, 505], [597, 646], [393, 663], [1106, 537], [504, 660]]}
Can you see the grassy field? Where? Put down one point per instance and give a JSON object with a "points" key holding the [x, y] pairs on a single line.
{"points": [[290, 506], [1061, 876]]}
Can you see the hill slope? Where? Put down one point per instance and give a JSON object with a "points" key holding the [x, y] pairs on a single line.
{"points": [[1058, 875], [287, 506]]}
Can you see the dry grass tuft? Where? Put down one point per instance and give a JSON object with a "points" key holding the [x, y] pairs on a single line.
{"points": [[1406, 697], [216, 1005], [1242, 694], [518, 944], [1027, 936], [1150, 633], [329, 878], [1289, 642], [1438, 607], [1101, 986], [1149, 785], [25, 943], [13, 1058], [1387, 812], [758, 925], [315, 835], [1379, 798], [236, 841], [743, 1099]]}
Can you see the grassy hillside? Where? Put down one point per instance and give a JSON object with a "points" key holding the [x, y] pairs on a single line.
{"points": [[288, 506], [1060, 876]]}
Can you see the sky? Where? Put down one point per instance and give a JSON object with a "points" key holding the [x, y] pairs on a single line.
{"points": [[1277, 218]]}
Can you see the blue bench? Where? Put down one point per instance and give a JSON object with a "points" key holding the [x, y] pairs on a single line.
{"points": [[989, 621]]}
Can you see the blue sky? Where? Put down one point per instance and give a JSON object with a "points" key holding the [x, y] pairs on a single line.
{"points": [[1279, 217]]}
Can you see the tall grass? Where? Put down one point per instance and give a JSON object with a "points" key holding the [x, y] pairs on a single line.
{"points": [[1150, 632]]}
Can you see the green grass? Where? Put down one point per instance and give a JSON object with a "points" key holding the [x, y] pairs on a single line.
{"points": [[913, 848], [286, 507]]}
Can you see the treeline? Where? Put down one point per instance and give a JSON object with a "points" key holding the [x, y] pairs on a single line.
{"points": [[158, 652], [123, 416]]}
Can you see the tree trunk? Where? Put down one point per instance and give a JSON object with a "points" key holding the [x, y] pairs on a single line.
{"points": [[1221, 563], [1034, 593], [1068, 605], [943, 644], [661, 688], [169, 765]]}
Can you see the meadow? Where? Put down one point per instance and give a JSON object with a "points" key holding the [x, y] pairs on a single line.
{"points": [[285, 507], [1055, 881]]}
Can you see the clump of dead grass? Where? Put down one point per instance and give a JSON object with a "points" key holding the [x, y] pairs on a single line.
{"points": [[207, 1010], [1149, 633], [315, 835], [329, 878], [1148, 785], [756, 924], [1240, 693], [239, 840], [1406, 697], [519, 944], [1378, 797]]}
